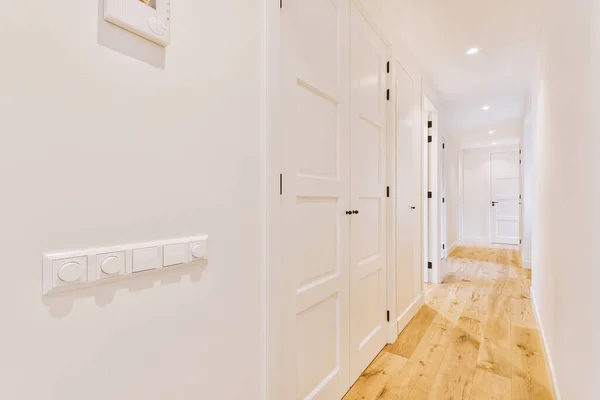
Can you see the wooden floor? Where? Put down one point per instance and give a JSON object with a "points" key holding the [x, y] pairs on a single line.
{"points": [[475, 338]]}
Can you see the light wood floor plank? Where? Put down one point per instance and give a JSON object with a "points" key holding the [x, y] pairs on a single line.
{"points": [[413, 333], [487, 385], [377, 377], [475, 338]]}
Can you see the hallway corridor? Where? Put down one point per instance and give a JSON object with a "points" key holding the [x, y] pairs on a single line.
{"points": [[475, 338]]}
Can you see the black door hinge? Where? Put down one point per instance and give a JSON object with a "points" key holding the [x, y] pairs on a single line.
{"points": [[388, 94], [519, 161], [388, 315], [443, 199], [429, 265], [429, 139], [388, 191], [280, 184], [388, 67], [280, 3], [443, 247], [520, 241], [429, 195], [430, 124], [443, 145]]}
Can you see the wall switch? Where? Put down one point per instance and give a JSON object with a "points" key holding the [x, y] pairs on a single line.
{"points": [[110, 264], [69, 271], [77, 269], [174, 254], [198, 250], [146, 259]]}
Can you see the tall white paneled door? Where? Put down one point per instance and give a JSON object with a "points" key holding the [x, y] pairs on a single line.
{"points": [[368, 191], [332, 197], [505, 202]]}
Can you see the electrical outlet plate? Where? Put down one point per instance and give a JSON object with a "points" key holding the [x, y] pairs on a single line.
{"points": [[150, 19], [83, 268]]}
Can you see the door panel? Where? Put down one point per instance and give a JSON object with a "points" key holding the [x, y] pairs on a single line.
{"points": [[316, 197], [367, 235], [407, 276], [505, 183]]}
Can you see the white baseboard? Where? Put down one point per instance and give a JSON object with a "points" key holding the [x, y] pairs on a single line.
{"points": [[409, 313], [547, 356]]}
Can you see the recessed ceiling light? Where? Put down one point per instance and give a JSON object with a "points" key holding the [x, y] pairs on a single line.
{"points": [[472, 50], [491, 132], [485, 108], [493, 143]]}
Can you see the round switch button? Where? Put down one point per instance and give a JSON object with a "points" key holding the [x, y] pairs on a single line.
{"points": [[70, 272], [198, 251], [111, 265]]}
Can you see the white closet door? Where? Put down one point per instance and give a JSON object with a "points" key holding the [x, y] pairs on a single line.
{"points": [[368, 188], [316, 197], [407, 268], [505, 187]]}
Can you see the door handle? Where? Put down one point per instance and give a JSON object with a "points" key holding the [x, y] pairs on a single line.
{"points": [[355, 212], [494, 203], [348, 212], [413, 208]]}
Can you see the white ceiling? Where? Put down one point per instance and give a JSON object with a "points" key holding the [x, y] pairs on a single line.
{"points": [[439, 32]]}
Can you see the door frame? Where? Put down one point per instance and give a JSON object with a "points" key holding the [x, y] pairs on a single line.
{"points": [[431, 182], [273, 297]]}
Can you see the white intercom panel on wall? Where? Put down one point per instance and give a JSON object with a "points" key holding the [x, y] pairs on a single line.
{"points": [[147, 18]]}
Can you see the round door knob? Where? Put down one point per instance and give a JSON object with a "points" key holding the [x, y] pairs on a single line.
{"points": [[111, 265], [70, 272]]}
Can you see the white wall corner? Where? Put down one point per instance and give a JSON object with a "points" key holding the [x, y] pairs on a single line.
{"points": [[547, 355]]}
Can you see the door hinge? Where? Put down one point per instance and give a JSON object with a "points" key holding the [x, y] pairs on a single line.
{"points": [[280, 3], [429, 265], [388, 315], [443, 199], [520, 161], [388, 67], [388, 191], [280, 184], [520, 241], [443, 247], [443, 145], [429, 139], [429, 195], [430, 124], [388, 94]]}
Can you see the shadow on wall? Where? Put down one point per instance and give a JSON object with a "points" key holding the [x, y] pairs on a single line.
{"points": [[61, 304], [128, 43]]}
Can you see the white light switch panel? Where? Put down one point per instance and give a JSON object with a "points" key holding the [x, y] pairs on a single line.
{"points": [[82, 268]]}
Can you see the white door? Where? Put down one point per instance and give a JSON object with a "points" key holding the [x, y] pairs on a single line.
{"points": [[368, 191], [505, 183], [315, 198], [443, 209], [407, 272]]}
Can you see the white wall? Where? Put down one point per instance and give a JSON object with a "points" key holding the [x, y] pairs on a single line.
{"points": [[527, 200], [101, 145], [475, 202], [566, 190]]}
